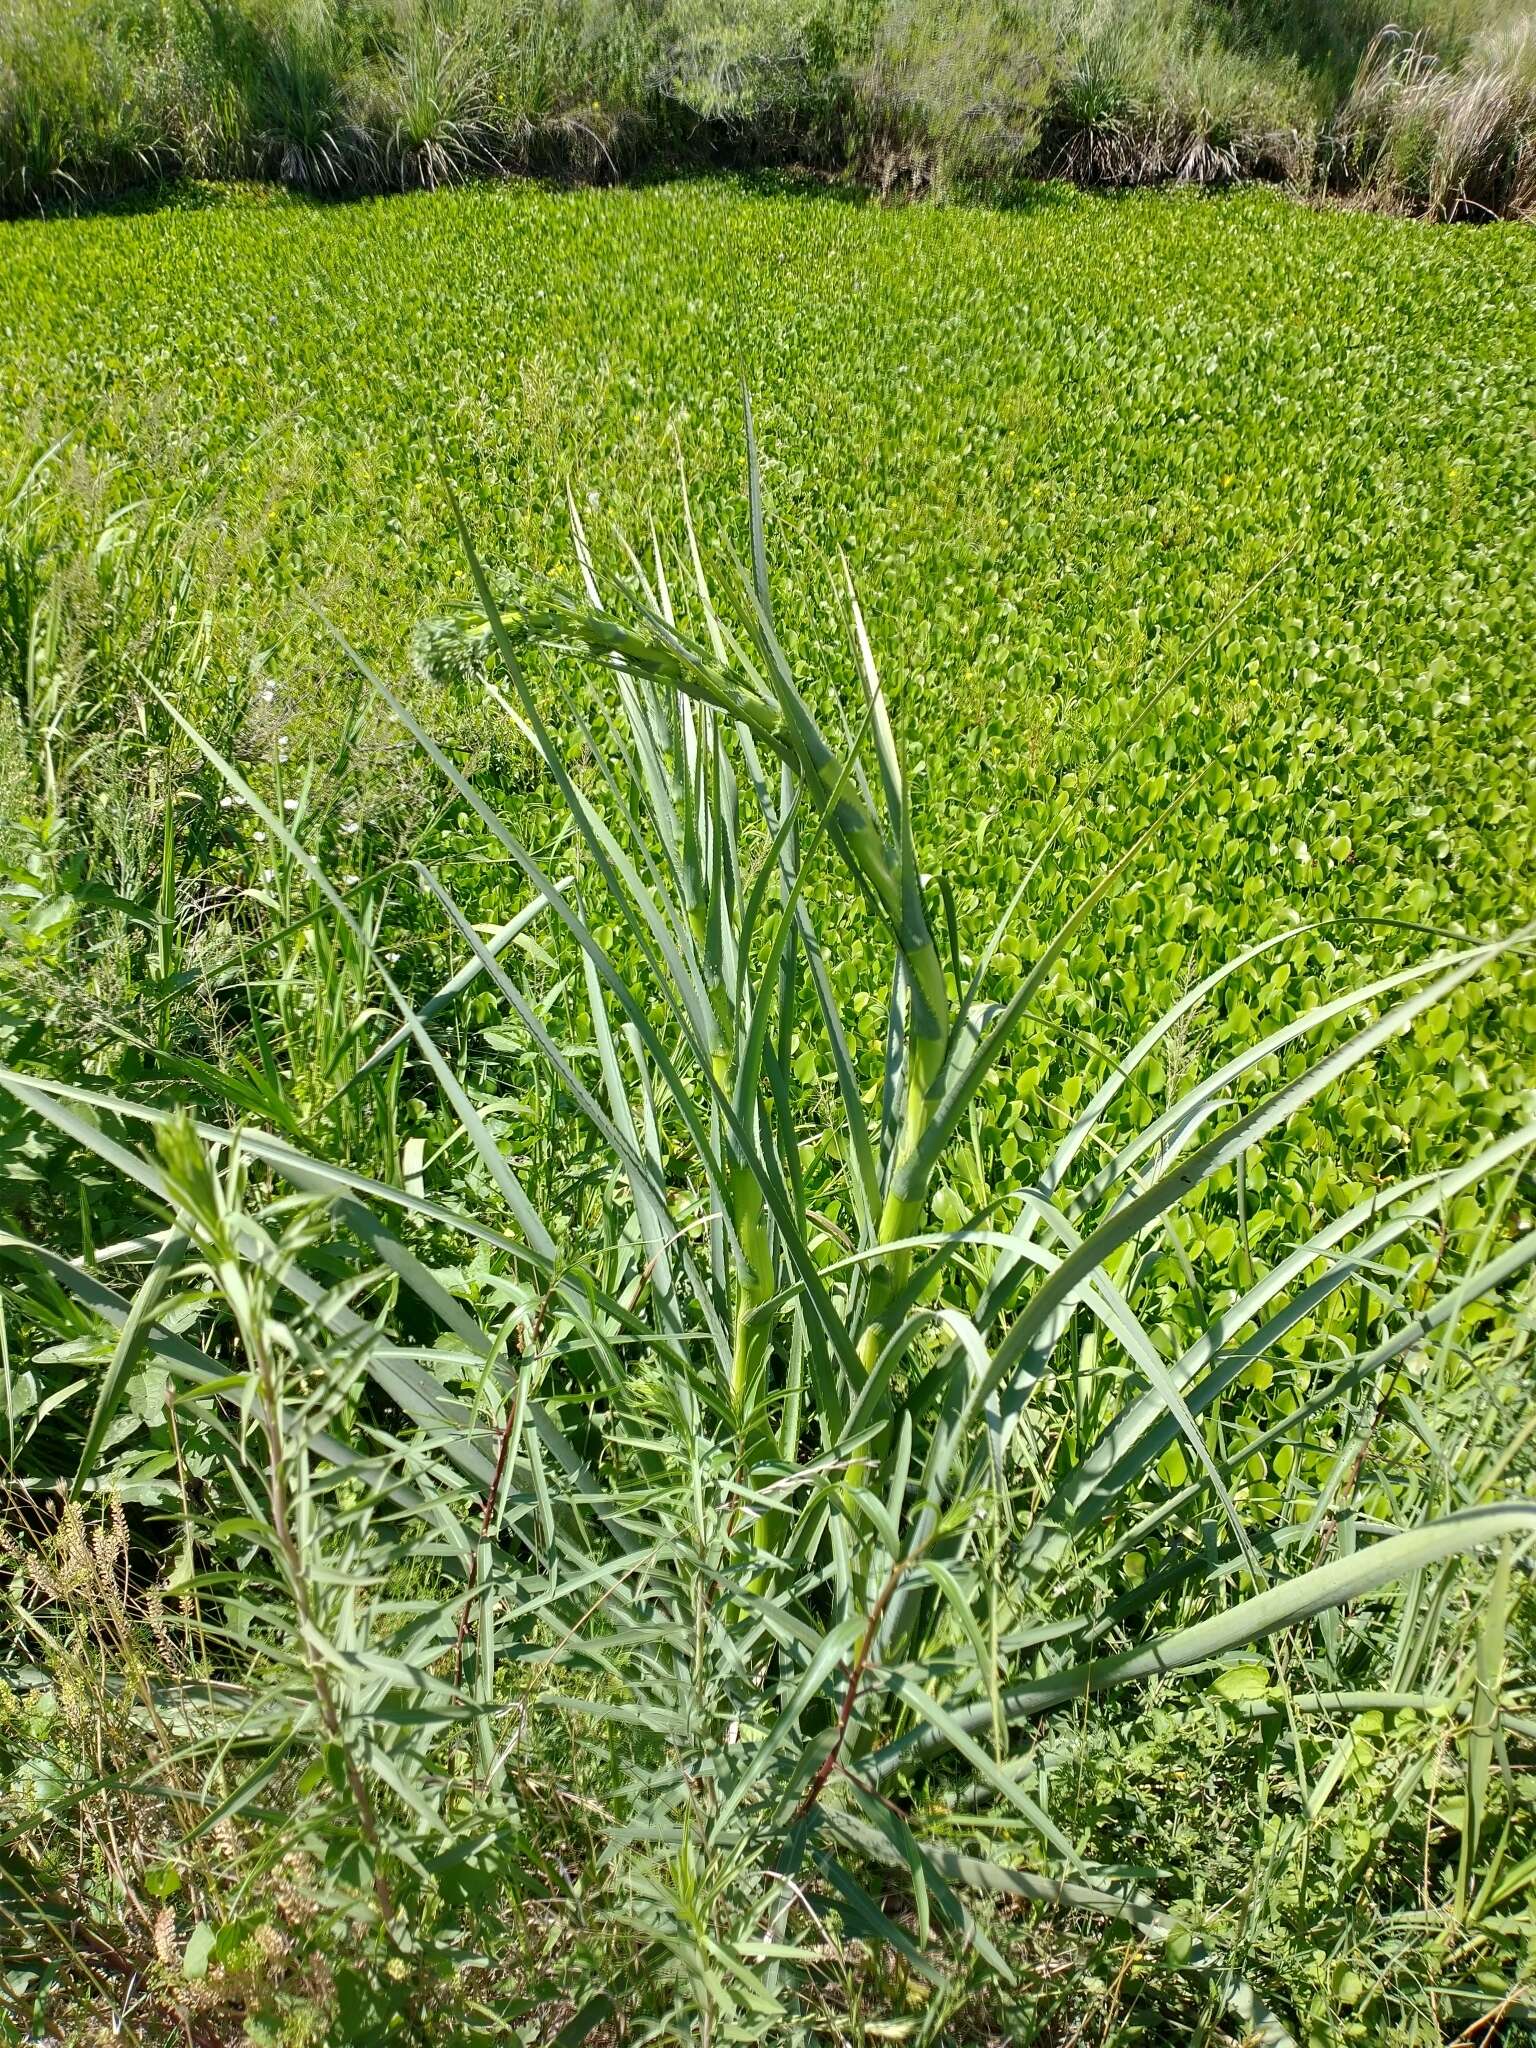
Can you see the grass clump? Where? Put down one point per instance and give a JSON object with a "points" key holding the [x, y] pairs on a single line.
{"points": [[1453, 141], [434, 122], [85, 104]]}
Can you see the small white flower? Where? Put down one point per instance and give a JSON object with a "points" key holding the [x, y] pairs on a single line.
{"points": [[391, 958], [225, 802], [269, 874], [290, 803], [350, 825], [258, 834], [350, 881]]}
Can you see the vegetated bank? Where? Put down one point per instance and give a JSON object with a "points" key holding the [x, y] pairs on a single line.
{"points": [[1203, 518], [1431, 110]]}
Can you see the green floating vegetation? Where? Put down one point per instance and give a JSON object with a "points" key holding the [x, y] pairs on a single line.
{"points": [[1066, 449]]}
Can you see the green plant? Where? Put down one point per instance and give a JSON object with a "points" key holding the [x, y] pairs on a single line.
{"points": [[1222, 119], [1067, 457], [835, 1515], [431, 113], [953, 93], [1026, 521], [302, 121], [1103, 125], [81, 110]]}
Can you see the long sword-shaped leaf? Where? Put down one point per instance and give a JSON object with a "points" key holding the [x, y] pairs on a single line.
{"points": [[1214, 1085], [1294, 1600], [459, 981], [1138, 1435], [504, 1179], [1034, 1330]]}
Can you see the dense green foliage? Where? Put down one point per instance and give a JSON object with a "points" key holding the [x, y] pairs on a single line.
{"points": [[1189, 532], [97, 96]]}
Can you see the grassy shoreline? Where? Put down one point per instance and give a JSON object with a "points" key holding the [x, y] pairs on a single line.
{"points": [[1429, 110]]}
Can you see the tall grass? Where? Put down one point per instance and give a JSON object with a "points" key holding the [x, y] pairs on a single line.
{"points": [[699, 1431], [1454, 141], [911, 95], [434, 125], [85, 108], [140, 929]]}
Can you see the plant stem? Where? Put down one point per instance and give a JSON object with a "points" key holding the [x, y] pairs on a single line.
{"points": [[906, 1197], [856, 1672], [254, 1336]]}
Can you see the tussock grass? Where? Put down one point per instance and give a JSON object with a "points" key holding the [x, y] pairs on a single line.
{"points": [[1452, 140], [84, 110]]}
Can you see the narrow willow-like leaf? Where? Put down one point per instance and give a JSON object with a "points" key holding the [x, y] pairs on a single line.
{"points": [[980, 1874]]}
